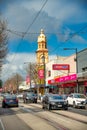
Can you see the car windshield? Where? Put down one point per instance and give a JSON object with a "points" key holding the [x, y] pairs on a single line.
{"points": [[30, 94], [79, 96], [56, 97], [10, 96]]}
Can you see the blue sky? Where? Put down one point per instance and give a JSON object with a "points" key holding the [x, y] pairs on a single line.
{"points": [[64, 23]]}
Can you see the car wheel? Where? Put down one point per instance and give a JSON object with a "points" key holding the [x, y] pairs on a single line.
{"points": [[74, 105]]}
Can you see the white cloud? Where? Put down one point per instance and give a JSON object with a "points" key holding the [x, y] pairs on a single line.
{"points": [[15, 63], [18, 64], [79, 39], [53, 17]]}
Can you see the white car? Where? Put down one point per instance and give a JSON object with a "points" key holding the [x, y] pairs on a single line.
{"points": [[20, 96], [76, 100]]}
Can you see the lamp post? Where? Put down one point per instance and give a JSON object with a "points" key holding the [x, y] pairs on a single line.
{"points": [[17, 82], [76, 60], [43, 61]]}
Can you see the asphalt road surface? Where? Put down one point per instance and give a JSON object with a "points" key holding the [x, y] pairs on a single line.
{"points": [[33, 117]]}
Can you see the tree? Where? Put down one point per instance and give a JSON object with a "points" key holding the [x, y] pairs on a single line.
{"points": [[3, 42], [13, 82], [32, 71]]}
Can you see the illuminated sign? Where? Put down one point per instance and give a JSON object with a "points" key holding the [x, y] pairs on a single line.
{"points": [[60, 67]]}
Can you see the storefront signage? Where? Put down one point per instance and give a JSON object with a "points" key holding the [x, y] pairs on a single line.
{"points": [[41, 73], [0, 89], [63, 79], [60, 67], [27, 79], [85, 83], [51, 81], [67, 78]]}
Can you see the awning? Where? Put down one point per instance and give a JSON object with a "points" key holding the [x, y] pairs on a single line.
{"points": [[68, 78]]}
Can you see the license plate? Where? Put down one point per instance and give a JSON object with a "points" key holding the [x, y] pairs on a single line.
{"points": [[11, 101], [59, 105]]}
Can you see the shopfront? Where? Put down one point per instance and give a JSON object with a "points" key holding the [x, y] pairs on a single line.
{"points": [[53, 87], [65, 84]]}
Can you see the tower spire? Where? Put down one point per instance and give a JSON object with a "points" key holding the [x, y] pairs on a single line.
{"points": [[42, 48]]}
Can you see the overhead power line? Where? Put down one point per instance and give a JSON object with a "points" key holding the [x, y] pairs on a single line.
{"points": [[77, 32], [21, 34], [29, 29]]}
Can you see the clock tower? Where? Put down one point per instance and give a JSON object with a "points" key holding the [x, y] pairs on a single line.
{"points": [[42, 48]]}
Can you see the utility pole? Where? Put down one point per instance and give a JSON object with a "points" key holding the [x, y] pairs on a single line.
{"points": [[17, 82], [29, 71], [43, 60], [76, 60]]}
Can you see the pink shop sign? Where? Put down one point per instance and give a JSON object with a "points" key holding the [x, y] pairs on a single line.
{"points": [[41, 73], [73, 77], [68, 78]]}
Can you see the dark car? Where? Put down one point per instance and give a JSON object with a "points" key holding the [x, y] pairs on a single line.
{"points": [[54, 101], [9, 101], [30, 97]]}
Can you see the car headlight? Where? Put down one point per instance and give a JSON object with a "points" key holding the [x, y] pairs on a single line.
{"points": [[78, 101]]}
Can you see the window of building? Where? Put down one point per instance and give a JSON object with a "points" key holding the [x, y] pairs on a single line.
{"points": [[49, 73]]}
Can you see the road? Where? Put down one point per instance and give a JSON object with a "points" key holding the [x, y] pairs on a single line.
{"points": [[32, 117]]}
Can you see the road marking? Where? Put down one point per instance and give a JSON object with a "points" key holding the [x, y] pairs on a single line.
{"points": [[2, 126], [26, 109]]}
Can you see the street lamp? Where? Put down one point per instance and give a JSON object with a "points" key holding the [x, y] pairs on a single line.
{"points": [[43, 61], [76, 60]]}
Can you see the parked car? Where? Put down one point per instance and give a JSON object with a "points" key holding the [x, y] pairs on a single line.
{"points": [[29, 97], [76, 100], [54, 101], [85, 103], [9, 100], [20, 95]]}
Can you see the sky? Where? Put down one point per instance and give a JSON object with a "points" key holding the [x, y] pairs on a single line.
{"points": [[64, 23]]}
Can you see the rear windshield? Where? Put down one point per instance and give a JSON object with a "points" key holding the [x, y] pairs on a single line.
{"points": [[80, 96], [56, 97], [10, 96]]}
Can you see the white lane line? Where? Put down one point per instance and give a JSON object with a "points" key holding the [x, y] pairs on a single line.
{"points": [[2, 126]]}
